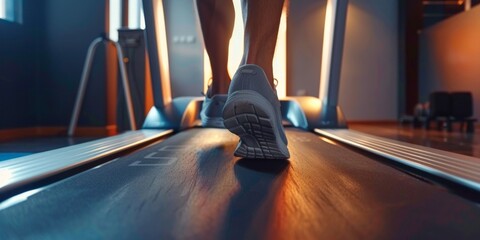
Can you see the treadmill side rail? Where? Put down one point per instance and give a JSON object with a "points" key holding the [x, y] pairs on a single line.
{"points": [[457, 168], [18, 172], [181, 113]]}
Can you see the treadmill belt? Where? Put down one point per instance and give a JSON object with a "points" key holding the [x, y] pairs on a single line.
{"points": [[189, 186]]}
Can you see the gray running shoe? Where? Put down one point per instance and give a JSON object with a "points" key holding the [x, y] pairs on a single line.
{"points": [[252, 112], [211, 113]]}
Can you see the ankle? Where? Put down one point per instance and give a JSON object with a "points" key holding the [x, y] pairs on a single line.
{"points": [[219, 86]]}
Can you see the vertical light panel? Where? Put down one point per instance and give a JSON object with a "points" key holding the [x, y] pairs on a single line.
{"points": [[280, 57], [3, 13], [11, 10], [207, 71], [115, 19], [142, 18], [134, 7], [163, 50], [331, 115], [136, 17], [327, 49], [236, 51]]}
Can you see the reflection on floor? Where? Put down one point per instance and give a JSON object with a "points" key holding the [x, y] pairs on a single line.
{"points": [[455, 141], [23, 147], [190, 186]]}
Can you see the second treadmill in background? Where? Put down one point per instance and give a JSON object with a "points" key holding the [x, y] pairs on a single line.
{"points": [[134, 49]]}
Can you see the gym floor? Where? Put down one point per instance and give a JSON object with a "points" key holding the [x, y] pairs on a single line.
{"points": [[455, 141]]}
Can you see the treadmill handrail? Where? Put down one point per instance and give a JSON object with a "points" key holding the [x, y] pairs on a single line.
{"points": [[84, 80]]}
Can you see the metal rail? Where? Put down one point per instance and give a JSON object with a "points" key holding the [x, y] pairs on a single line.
{"points": [[461, 169], [17, 172], [84, 80]]}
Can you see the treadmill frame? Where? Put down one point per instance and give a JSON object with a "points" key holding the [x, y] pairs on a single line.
{"points": [[302, 112]]}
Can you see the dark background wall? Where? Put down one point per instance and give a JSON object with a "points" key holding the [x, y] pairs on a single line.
{"points": [[449, 56], [185, 47], [41, 62], [42, 59], [19, 51], [369, 77], [69, 27], [304, 46]]}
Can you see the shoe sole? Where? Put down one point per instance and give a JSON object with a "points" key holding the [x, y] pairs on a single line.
{"points": [[250, 116]]}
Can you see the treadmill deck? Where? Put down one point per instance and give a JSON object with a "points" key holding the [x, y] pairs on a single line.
{"points": [[190, 186]]}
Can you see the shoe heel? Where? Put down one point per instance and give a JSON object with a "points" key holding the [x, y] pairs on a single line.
{"points": [[250, 116]]}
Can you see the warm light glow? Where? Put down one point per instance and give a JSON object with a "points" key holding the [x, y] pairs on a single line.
{"points": [[445, 2], [3, 13], [236, 51], [148, 87], [163, 50], [468, 4], [310, 104], [207, 71], [328, 141], [327, 49], [280, 57], [5, 176]]}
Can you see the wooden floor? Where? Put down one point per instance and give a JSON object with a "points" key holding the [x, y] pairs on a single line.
{"points": [[190, 186], [455, 141]]}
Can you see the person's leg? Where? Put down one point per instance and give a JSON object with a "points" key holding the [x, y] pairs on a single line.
{"points": [[252, 110], [262, 19], [217, 19]]}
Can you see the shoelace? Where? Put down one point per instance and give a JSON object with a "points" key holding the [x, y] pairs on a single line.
{"points": [[275, 84]]}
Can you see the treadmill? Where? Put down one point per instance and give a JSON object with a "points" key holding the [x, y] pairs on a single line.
{"points": [[175, 180]]}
